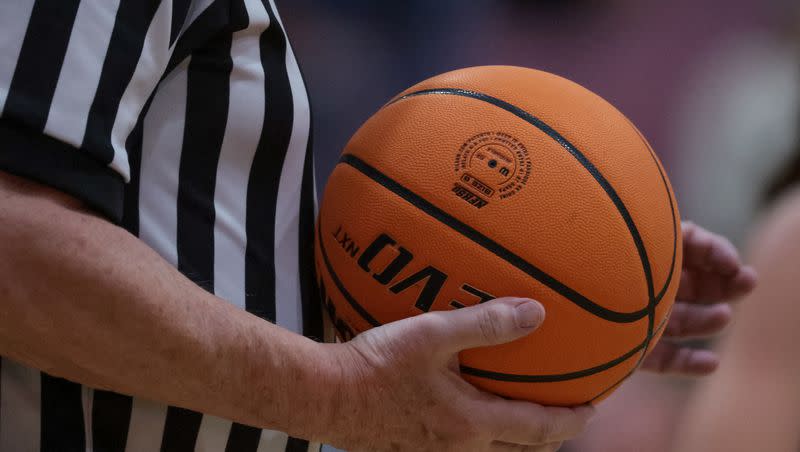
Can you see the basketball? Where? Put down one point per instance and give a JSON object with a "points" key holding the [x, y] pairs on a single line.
{"points": [[504, 181]]}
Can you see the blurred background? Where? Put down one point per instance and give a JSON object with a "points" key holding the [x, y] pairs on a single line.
{"points": [[713, 85]]}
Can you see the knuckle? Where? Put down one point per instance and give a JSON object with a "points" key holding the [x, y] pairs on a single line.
{"points": [[576, 427], [725, 242], [676, 325], [703, 241], [429, 324], [688, 229], [546, 430], [489, 324], [427, 330], [540, 432]]}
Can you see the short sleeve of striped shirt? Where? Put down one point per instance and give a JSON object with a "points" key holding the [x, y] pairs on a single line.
{"points": [[74, 78]]}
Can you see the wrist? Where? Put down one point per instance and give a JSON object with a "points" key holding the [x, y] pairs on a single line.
{"points": [[312, 390], [335, 394]]}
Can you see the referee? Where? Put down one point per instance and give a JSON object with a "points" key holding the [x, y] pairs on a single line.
{"points": [[156, 224]]}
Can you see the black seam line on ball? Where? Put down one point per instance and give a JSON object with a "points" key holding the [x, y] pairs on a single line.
{"points": [[551, 378], [671, 273], [674, 223], [347, 296], [517, 378], [653, 303], [663, 290], [627, 375], [490, 245], [558, 138]]}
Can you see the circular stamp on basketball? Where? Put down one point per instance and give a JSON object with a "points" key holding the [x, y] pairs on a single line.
{"points": [[491, 165]]}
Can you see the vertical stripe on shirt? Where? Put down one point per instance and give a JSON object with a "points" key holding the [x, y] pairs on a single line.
{"points": [[20, 411], [204, 130], [196, 8], [130, 207], [297, 445], [111, 417], [14, 19], [289, 310], [180, 8], [213, 434], [162, 141], [197, 33], [313, 323], [180, 430], [62, 415], [80, 73], [128, 77], [215, 17], [262, 189], [40, 60], [242, 133], [87, 397], [203, 133], [272, 441], [245, 438], [312, 307], [147, 426]]}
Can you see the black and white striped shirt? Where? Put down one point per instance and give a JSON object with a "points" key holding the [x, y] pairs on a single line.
{"points": [[186, 122]]}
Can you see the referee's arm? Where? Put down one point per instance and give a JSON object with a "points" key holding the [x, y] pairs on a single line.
{"points": [[80, 297], [85, 300]]}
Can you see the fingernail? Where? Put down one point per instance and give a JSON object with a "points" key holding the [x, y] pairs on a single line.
{"points": [[529, 314]]}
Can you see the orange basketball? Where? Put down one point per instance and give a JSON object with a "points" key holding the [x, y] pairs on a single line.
{"points": [[504, 181]]}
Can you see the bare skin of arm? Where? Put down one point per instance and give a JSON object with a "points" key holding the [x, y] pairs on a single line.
{"points": [[85, 300], [753, 401]]}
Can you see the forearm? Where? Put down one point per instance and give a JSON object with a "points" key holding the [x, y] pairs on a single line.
{"points": [[85, 300]]}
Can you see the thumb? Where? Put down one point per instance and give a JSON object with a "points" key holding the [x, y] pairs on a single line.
{"points": [[491, 323]]}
